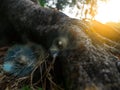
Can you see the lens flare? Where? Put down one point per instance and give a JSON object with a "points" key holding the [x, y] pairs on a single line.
{"points": [[108, 11]]}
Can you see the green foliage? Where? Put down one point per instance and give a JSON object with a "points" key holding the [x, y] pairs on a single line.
{"points": [[86, 7], [40, 89], [61, 3], [42, 2]]}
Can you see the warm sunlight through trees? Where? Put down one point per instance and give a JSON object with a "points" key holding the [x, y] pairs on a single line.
{"points": [[108, 11], [102, 10]]}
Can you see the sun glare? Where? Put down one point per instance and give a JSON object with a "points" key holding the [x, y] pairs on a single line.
{"points": [[106, 12], [109, 11]]}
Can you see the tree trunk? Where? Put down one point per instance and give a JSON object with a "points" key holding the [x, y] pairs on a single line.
{"points": [[28, 18], [24, 18]]}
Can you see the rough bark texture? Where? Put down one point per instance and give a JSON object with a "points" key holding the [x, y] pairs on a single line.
{"points": [[28, 14], [27, 17], [85, 64]]}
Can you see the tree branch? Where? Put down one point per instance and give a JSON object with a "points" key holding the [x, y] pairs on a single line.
{"points": [[26, 14]]}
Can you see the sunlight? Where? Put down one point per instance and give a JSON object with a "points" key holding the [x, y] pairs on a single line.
{"points": [[109, 11]]}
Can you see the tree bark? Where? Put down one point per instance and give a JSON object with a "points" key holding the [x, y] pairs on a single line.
{"points": [[25, 18], [28, 18], [28, 14]]}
